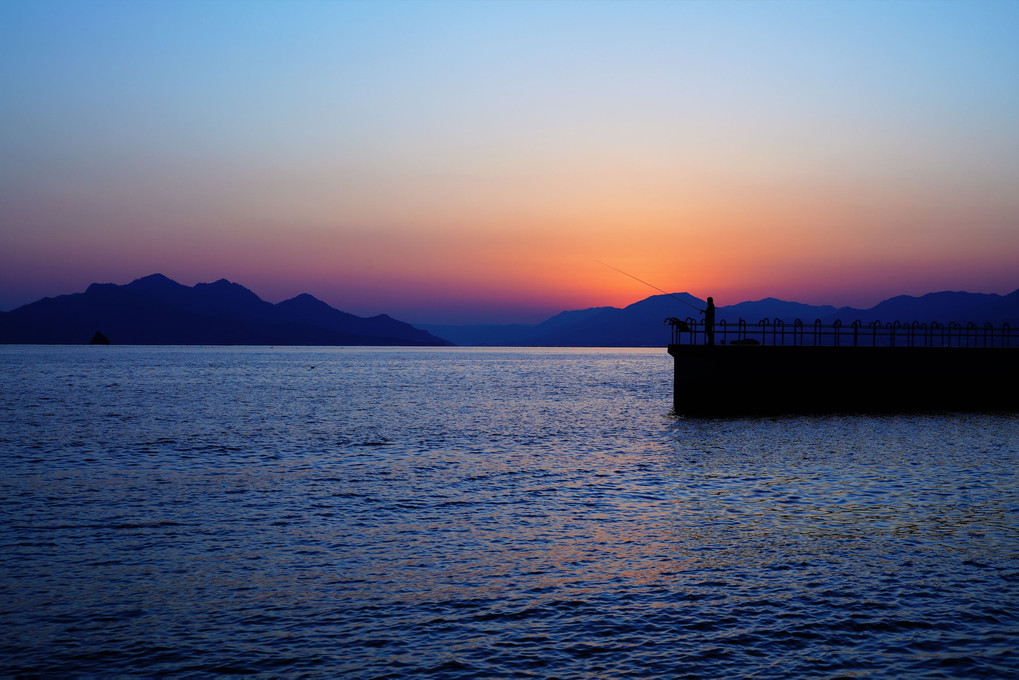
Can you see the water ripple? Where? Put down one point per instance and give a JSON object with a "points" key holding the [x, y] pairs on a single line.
{"points": [[468, 513]]}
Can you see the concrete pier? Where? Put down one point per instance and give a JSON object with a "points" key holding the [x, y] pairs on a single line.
{"points": [[740, 379]]}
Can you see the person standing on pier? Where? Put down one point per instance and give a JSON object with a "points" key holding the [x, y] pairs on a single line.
{"points": [[709, 321]]}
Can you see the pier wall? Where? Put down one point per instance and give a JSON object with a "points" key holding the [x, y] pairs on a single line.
{"points": [[759, 379]]}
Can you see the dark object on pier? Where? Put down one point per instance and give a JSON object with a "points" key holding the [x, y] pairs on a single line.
{"points": [[99, 339], [880, 368], [678, 325]]}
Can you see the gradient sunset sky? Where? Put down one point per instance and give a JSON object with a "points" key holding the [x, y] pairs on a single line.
{"points": [[476, 161]]}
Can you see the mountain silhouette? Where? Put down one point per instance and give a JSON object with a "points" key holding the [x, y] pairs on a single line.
{"points": [[946, 307], [157, 310], [641, 324]]}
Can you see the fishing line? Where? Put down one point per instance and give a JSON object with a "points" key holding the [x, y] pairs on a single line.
{"points": [[652, 286]]}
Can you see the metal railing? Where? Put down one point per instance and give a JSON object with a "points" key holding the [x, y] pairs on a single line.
{"points": [[691, 331]]}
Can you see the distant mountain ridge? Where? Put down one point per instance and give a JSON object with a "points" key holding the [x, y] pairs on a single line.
{"points": [[642, 323], [157, 310]]}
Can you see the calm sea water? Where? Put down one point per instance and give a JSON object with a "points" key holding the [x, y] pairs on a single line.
{"points": [[484, 513]]}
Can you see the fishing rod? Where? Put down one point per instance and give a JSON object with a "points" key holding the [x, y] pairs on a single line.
{"points": [[652, 286]]}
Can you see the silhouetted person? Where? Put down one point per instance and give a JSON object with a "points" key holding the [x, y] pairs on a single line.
{"points": [[709, 321]]}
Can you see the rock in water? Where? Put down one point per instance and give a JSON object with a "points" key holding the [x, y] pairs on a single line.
{"points": [[99, 339]]}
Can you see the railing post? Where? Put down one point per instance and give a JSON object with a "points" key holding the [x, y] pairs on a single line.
{"points": [[856, 332], [874, 325], [958, 333], [892, 327], [797, 329], [763, 323], [817, 332], [779, 327]]}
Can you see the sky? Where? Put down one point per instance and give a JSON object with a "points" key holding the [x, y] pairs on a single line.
{"points": [[479, 162]]}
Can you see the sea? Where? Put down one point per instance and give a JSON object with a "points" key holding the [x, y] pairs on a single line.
{"points": [[484, 513]]}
